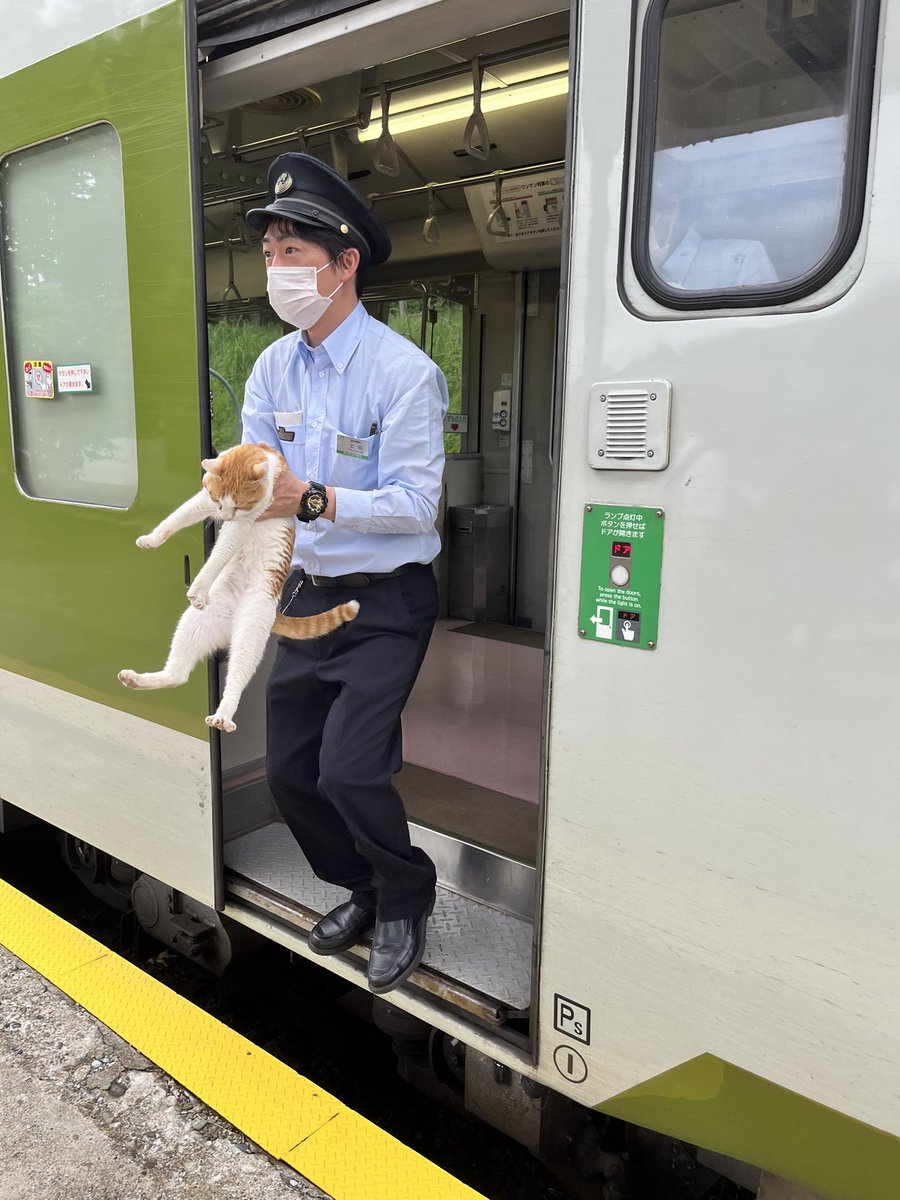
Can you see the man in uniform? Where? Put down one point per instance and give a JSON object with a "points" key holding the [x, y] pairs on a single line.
{"points": [[357, 411]]}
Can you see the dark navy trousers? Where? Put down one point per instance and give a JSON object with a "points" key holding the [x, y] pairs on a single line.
{"points": [[334, 738]]}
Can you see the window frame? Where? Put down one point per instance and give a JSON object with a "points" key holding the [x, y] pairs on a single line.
{"points": [[860, 93], [6, 327]]}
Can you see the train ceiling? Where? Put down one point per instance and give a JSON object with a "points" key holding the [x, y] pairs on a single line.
{"points": [[523, 74]]}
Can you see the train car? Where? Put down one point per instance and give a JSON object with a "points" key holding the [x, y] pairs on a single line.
{"points": [[653, 748]]}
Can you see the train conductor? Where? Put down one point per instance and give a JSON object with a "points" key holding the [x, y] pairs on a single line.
{"points": [[357, 411]]}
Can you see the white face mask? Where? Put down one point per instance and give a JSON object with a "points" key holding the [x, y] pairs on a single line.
{"points": [[294, 295]]}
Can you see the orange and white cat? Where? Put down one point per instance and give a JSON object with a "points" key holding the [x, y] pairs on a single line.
{"points": [[234, 599]]}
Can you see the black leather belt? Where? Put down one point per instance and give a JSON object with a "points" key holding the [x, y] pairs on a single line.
{"points": [[357, 578]]}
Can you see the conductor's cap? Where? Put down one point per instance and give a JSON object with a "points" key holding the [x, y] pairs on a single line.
{"points": [[307, 191]]}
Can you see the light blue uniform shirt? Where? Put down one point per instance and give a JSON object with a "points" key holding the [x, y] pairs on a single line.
{"points": [[362, 413]]}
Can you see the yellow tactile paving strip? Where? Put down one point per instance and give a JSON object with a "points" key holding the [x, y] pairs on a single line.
{"points": [[338, 1150]]}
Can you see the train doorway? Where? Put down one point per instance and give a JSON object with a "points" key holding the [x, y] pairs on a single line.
{"points": [[462, 149]]}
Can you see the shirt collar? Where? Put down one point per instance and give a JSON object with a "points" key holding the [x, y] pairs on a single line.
{"points": [[340, 346]]}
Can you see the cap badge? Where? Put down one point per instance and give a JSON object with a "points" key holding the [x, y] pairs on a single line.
{"points": [[283, 183]]}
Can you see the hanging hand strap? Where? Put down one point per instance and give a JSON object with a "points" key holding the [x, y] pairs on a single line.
{"points": [[386, 159], [477, 123], [498, 221], [431, 230]]}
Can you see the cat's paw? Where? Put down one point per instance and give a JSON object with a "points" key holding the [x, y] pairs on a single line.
{"points": [[149, 541], [223, 723], [129, 678], [198, 596]]}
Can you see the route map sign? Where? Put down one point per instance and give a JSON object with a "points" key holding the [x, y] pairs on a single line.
{"points": [[621, 567]]}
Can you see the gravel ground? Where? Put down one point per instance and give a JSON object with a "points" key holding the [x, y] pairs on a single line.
{"points": [[87, 1117]]}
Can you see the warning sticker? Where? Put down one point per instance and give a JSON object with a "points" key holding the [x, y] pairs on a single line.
{"points": [[38, 378], [75, 379]]}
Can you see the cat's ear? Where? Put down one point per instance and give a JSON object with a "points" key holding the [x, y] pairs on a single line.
{"points": [[209, 464], [260, 469]]}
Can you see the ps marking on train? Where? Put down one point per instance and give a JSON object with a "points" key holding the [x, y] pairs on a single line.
{"points": [[571, 1019]]}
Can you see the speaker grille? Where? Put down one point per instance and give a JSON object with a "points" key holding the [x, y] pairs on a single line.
{"points": [[626, 424]]}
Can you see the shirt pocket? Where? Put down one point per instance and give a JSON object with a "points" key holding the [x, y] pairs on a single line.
{"points": [[355, 461], [289, 426]]}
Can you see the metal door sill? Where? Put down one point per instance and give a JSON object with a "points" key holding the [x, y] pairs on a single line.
{"points": [[477, 958]]}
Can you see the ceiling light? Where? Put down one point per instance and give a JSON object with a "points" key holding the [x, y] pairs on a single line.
{"points": [[493, 100]]}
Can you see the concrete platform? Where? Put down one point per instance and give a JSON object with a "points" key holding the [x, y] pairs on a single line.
{"points": [[87, 1117], [70, 1076]]}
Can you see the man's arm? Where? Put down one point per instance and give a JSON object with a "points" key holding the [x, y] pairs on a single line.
{"points": [[286, 498], [257, 414]]}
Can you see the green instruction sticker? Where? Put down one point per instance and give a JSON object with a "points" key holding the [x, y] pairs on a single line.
{"points": [[621, 565]]}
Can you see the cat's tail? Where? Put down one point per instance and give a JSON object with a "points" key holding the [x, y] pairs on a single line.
{"points": [[317, 625]]}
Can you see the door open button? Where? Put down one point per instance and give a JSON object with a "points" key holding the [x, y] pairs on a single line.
{"points": [[620, 564]]}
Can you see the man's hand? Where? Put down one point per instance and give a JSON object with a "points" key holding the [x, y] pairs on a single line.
{"points": [[286, 498]]}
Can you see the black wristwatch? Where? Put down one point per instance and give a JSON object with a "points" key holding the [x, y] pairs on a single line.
{"points": [[313, 502]]}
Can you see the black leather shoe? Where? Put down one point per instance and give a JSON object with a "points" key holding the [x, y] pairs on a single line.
{"points": [[341, 928], [397, 949]]}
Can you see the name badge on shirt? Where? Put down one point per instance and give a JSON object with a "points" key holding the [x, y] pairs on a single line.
{"points": [[352, 447]]}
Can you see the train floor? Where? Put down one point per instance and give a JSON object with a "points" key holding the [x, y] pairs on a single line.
{"points": [[471, 947], [475, 712]]}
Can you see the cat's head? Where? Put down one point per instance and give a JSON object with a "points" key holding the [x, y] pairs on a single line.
{"points": [[240, 480]]}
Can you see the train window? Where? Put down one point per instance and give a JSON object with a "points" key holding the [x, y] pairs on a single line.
{"points": [[67, 321], [438, 326], [752, 147]]}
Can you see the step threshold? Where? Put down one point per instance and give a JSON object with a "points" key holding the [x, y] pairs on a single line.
{"points": [[477, 958]]}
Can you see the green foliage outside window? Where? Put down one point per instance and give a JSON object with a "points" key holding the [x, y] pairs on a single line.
{"points": [[443, 343], [235, 345]]}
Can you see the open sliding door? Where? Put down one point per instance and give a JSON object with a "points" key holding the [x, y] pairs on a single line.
{"points": [[102, 436]]}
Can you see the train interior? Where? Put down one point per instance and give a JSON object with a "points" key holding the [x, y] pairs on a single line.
{"points": [[472, 195]]}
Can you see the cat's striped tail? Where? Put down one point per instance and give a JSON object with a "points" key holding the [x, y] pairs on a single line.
{"points": [[317, 625]]}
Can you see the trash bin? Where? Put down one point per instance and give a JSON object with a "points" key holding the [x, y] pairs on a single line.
{"points": [[478, 566]]}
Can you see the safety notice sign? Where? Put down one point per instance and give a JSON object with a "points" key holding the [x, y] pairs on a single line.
{"points": [[621, 566], [38, 378], [76, 378]]}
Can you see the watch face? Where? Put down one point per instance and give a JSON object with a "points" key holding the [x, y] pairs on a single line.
{"points": [[316, 503]]}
